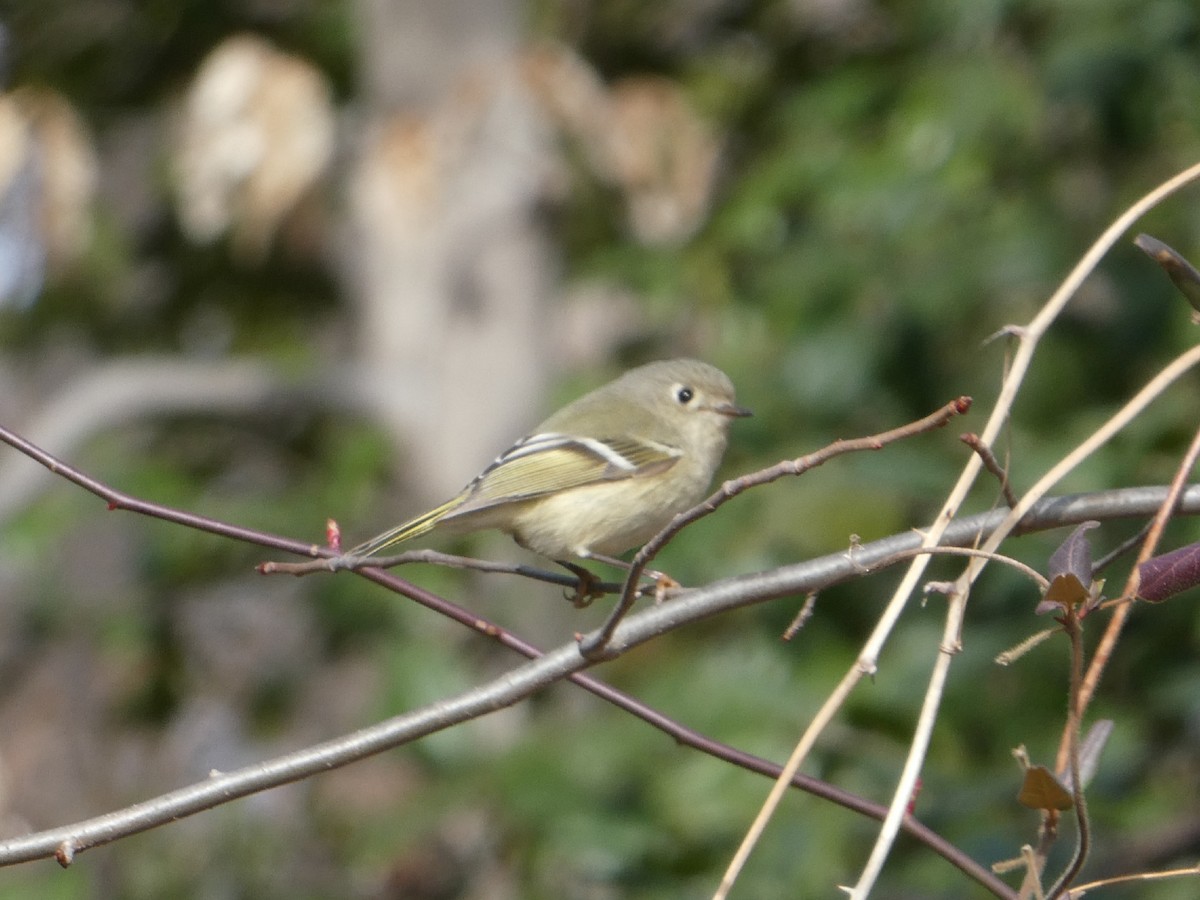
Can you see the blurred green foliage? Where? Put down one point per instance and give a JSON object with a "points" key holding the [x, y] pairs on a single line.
{"points": [[899, 182]]}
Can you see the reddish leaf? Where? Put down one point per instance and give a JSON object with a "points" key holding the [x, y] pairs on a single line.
{"points": [[1074, 555], [1181, 272], [1070, 572], [1161, 577]]}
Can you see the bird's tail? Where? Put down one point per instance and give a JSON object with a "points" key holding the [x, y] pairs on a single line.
{"points": [[422, 524]]}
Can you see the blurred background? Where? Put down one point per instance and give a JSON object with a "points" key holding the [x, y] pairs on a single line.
{"points": [[279, 261]]}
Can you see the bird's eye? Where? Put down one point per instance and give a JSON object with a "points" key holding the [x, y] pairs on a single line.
{"points": [[684, 395]]}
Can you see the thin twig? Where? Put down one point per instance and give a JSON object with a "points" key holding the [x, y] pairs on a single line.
{"points": [[1121, 549], [65, 842], [1029, 337], [717, 597], [1073, 628], [904, 555], [801, 618], [992, 465], [120, 500], [596, 643], [1124, 606], [564, 662], [1188, 871], [331, 561], [1174, 370]]}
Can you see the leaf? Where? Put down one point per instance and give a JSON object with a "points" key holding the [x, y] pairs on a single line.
{"points": [[1074, 555], [1162, 577], [1070, 572], [1181, 272], [1090, 749], [1064, 591], [1041, 790]]}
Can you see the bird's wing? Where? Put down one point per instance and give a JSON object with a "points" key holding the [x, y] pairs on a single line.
{"points": [[548, 463]]}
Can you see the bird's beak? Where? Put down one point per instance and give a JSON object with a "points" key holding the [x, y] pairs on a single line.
{"points": [[732, 410]]}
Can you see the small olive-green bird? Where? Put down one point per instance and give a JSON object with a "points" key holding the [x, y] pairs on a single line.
{"points": [[602, 475]]}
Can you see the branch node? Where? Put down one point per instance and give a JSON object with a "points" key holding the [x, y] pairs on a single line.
{"points": [[855, 546], [1017, 331], [595, 647], [988, 458]]}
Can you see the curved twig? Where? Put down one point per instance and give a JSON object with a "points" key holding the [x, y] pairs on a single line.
{"points": [[730, 489]]}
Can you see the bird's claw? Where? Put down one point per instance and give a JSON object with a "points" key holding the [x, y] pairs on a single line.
{"points": [[663, 584], [587, 588]]}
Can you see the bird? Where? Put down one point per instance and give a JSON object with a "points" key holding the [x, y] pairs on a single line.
{"points": [[602, 475]]}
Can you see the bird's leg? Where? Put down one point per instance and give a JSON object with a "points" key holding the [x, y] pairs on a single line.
{"points": [[588, 588], [662, 581]]}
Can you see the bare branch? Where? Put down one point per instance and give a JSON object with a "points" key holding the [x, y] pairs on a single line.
{"points": [[1030, 336], [731, 489], [128, 389], [332, 561], [801, 618], [564, 662]]}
